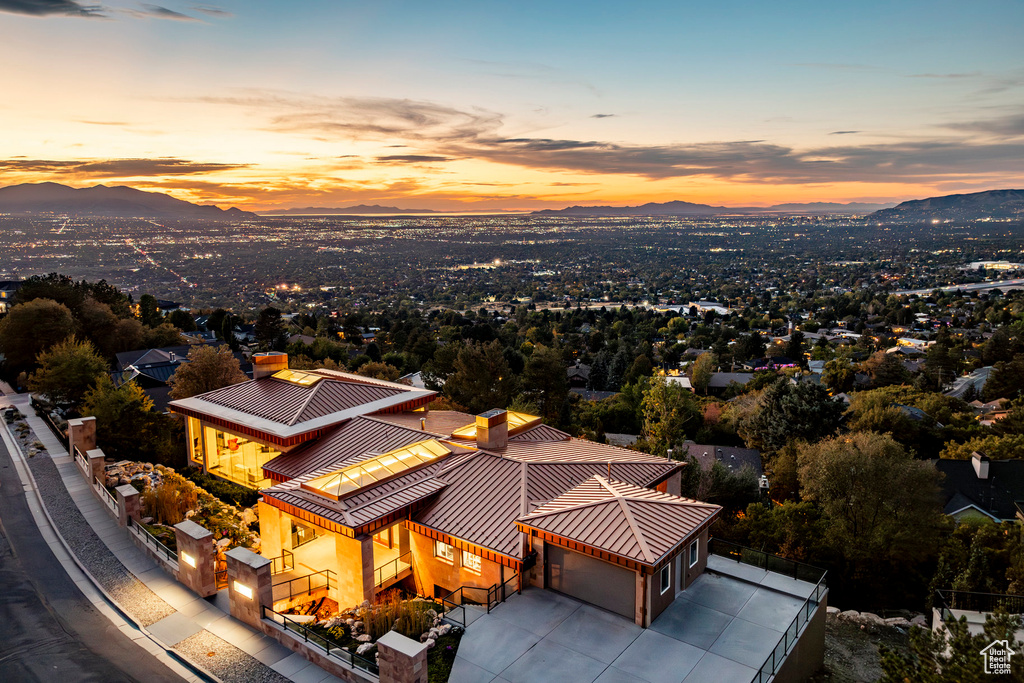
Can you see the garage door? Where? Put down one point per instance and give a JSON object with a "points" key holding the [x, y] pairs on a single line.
{"points": [[590, 580]]}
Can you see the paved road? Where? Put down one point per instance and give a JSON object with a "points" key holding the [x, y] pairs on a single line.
{"points": [[49, 631]]}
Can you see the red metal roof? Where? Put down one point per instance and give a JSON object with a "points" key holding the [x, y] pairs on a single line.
{"points": [[540, 433], [616, 517], [439, 422]]}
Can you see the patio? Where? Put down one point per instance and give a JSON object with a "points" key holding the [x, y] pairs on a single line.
{"points": [[721, 628]]}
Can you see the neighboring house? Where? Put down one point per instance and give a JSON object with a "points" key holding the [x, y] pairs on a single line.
{"points": [[592, 395], [769, 363], [720, 381], [983, 489], [681, 380], [152, 369], [734, 459], [578, 375], [8, 288]]}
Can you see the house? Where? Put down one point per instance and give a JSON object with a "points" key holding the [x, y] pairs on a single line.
{"points": [[152, 369], [720, 381], [8, 288], [982, 489], [578, 375], [734, 459]]}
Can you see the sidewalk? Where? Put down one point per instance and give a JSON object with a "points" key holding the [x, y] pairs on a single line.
{"points": [[161, 613]]}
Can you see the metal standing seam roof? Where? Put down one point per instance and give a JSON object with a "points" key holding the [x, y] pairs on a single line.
{"points": [[346, 444], [439, 422], [541, 432], [620, 518]]}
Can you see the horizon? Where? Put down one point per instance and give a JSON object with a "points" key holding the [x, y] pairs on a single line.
{"points": [[270, 108]]}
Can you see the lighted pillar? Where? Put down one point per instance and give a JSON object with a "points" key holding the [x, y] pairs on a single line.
{"points": [[249, 585], [196, 558], [401, 659], [129, 504], [97, 466], [275, 530]]}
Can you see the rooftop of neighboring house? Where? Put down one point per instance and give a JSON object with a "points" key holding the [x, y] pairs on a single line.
{"points": [[733, 458], [994, 488]]}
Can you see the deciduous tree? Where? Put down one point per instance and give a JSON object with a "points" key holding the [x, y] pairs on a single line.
{"points": [[67, 371], [31, 328], [670, 415], [207, 369]]}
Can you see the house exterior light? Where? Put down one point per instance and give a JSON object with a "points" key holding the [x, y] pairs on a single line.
{"points": [[243, 590], [188, 559]]}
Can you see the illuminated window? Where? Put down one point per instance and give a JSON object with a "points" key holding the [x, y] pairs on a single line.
{"points": [[237, 458], [471, 562], [666, 578], [694, 553], [516, 422], [444, 552]]}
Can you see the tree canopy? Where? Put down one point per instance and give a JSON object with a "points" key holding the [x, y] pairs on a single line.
{"points": [[208, 368], [67, 371]]}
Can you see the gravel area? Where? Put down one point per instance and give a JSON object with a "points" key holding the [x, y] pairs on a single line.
{"points": [[132, 595], [226, 661]]}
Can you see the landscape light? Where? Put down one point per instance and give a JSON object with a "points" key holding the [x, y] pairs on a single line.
{"points": [[188, 559], [243, 589]]}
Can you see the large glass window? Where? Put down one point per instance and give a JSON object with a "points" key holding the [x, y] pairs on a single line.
{"points": [[472, 562], [237, 459], [195, 441]]}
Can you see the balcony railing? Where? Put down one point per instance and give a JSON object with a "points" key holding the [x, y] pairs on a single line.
{"points": [[967, 601], [390, 570], [282, 563], [766, 561], [152, 541], [455, 602], [309, 636], [304, 585]]}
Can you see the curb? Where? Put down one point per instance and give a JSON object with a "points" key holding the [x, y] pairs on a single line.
{"points": [[19, 458]]}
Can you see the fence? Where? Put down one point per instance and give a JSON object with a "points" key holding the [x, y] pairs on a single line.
{"points": [[311, 637], [967, 601], [162, 551], [106, 496], [82, 462], [282, 563], [302, 585], [766, 561], [390, 570], [454, 603], [791, 635]]}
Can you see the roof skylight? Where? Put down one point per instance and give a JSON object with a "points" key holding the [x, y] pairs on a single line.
{"points": [[516, 423], [371, 472], [303, 379]]}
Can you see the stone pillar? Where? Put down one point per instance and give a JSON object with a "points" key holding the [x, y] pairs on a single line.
{"points": [[355, 570], [196, 558], [97, 466], [82, 434], [403, 539], [129, 504], [401, 659], [249, 585]]}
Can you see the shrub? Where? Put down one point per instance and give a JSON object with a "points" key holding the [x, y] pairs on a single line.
{"points": [[230, 493]]}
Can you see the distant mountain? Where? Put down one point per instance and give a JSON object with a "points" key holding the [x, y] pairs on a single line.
{"points": [[118, 201], [681, 208], [360, 210], [990, 204]]}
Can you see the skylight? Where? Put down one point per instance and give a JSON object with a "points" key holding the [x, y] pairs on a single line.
{"points": [[516, 423], [303, 379], [370, 472]]}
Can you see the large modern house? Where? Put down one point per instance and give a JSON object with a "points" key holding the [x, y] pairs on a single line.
{"points": [[358, 477]]}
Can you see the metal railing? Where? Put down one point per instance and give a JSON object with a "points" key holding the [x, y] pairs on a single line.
{"points": [[332, 648], [303, 585], [282, 563], [152, 541], [220, 577], [390, 570], [454, 603], [106, 496], [766, 561], [82, 462], [977, 602], [791, 635]]}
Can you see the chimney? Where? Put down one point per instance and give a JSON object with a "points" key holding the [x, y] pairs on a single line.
{"points": [[423, 424], [492, 429], [266, 364], [980, 462]]}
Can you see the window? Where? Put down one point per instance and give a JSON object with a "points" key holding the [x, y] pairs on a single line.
{"points": [[444, 552], [666, 578], [694, 553], [471, 562]]}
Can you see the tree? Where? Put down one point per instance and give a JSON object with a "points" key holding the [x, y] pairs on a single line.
{"points": [[207, 369], [838, 376], [787, 411], [182, 320], [67, 371], [31, 328], [269, 330], [149, 312], [544, 381], [886, 369], [703, 369], [1006, 380], [127, 427], [953, 655], [881, 505], [481, 378], [164, 334], [378, 370], [795, 347], [670, 415]]}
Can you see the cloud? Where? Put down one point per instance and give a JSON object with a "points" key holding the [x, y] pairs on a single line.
{"points": [[213, 11], [602, 116], [952, 76], [105, 123], [412, 158], [42, 8], [844, 132], [158, 12], [1005, 126], [113, 168]]}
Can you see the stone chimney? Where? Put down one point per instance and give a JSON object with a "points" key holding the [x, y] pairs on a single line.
{"points": [[980, 462], [266, 364], [492, 429]]}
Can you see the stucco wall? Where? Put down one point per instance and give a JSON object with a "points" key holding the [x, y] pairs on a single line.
{"points": [[430, 571]]}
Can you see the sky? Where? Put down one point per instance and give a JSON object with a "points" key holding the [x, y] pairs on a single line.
{"points": [[500, 106]]}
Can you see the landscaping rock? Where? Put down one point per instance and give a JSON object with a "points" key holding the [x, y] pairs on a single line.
{"points": [[919, 620], [898, 622], [832, 610], [851, 614], [364, 648], [871, 619], [364, 638], [430, 643]]}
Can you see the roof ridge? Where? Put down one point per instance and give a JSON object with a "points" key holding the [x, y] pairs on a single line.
{"points": [[398, 426], [628, 514], [298, 413]]}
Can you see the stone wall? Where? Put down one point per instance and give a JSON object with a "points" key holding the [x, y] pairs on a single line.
{"points": [[330, 664]]}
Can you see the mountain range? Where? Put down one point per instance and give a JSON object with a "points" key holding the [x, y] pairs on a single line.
{"points": [[681, 208], [989, 204], [118, 201]]}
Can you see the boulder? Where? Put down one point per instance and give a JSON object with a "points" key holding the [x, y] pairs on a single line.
{"points": [[430, 643], [899, 622], [832, 610], [364, 638], [871, 619], [919, 620], [364, 648], [851, 614], [357, 626]]}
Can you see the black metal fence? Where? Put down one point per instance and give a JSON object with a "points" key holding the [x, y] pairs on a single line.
{"points": [[977, 602], [282, 563], [455, 602], [321, 641], [766, 561], [304, 585], [390, 570]]}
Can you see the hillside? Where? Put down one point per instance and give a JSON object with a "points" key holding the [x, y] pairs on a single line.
{"points": [[977, 205], [118, 201]]}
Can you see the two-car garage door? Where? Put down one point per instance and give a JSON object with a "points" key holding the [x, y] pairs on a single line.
{"points": [[590, 580]]}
